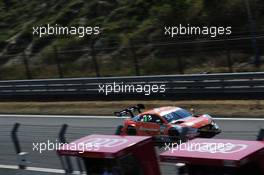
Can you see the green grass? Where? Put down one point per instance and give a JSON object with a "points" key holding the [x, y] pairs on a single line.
{"points": [[239, 108]]}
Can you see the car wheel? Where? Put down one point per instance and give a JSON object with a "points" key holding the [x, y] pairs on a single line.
{"points": [[210, 133], [173, 132], [173, 135], [131, 130], [206, 134], [119, 130]]}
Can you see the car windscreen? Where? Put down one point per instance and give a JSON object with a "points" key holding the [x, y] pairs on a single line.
{"points": [[137, 118], [176, 115]]}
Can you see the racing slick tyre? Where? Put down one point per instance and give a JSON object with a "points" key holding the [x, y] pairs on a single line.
{"points": [[131, 131], [173, 132], [173, 135], [210, 133], [119, 130], [207, 134]]}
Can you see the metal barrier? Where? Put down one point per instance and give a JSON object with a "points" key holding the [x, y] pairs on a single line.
{"points": [[196, 86]]}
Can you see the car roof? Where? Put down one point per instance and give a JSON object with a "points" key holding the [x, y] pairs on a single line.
{"points": [[161, 111], [100, 146], [218, 152]]}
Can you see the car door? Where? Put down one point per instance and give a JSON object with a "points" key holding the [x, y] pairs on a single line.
{"points": [[150, 125]]}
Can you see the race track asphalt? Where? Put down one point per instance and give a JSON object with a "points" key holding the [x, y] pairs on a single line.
{"points": [[41, 129]]}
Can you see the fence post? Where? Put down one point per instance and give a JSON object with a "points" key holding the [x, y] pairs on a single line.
{"points": [[68, 167], [179, 60], [94, 59], [15, 139], [228, 57], [21, 155], [253, 33], [58, 62], [134, 55], [27, 69]]}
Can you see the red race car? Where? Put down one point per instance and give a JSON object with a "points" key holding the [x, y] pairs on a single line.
{"points": [[172, 122]]}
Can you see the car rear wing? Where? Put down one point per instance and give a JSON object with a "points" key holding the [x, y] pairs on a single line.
{"points": [[130, 111]]}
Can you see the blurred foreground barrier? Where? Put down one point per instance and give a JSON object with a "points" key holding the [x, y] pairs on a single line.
{"points": [[65, 160], [174, 87], [21, 156]]}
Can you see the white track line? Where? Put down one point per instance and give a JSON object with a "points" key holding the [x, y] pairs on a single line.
{"points": [[109, 117], [37, 169], [59, 116], [51, 170], [240, 119]]}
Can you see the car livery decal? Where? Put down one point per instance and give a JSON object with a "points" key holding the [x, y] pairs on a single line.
{"points": [[147, 129]]}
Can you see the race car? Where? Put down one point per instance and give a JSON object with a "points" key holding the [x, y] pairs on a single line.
{"points": [[166, 121]]}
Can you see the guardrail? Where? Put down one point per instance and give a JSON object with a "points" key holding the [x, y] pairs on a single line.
{"points": [[196, 86]]}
